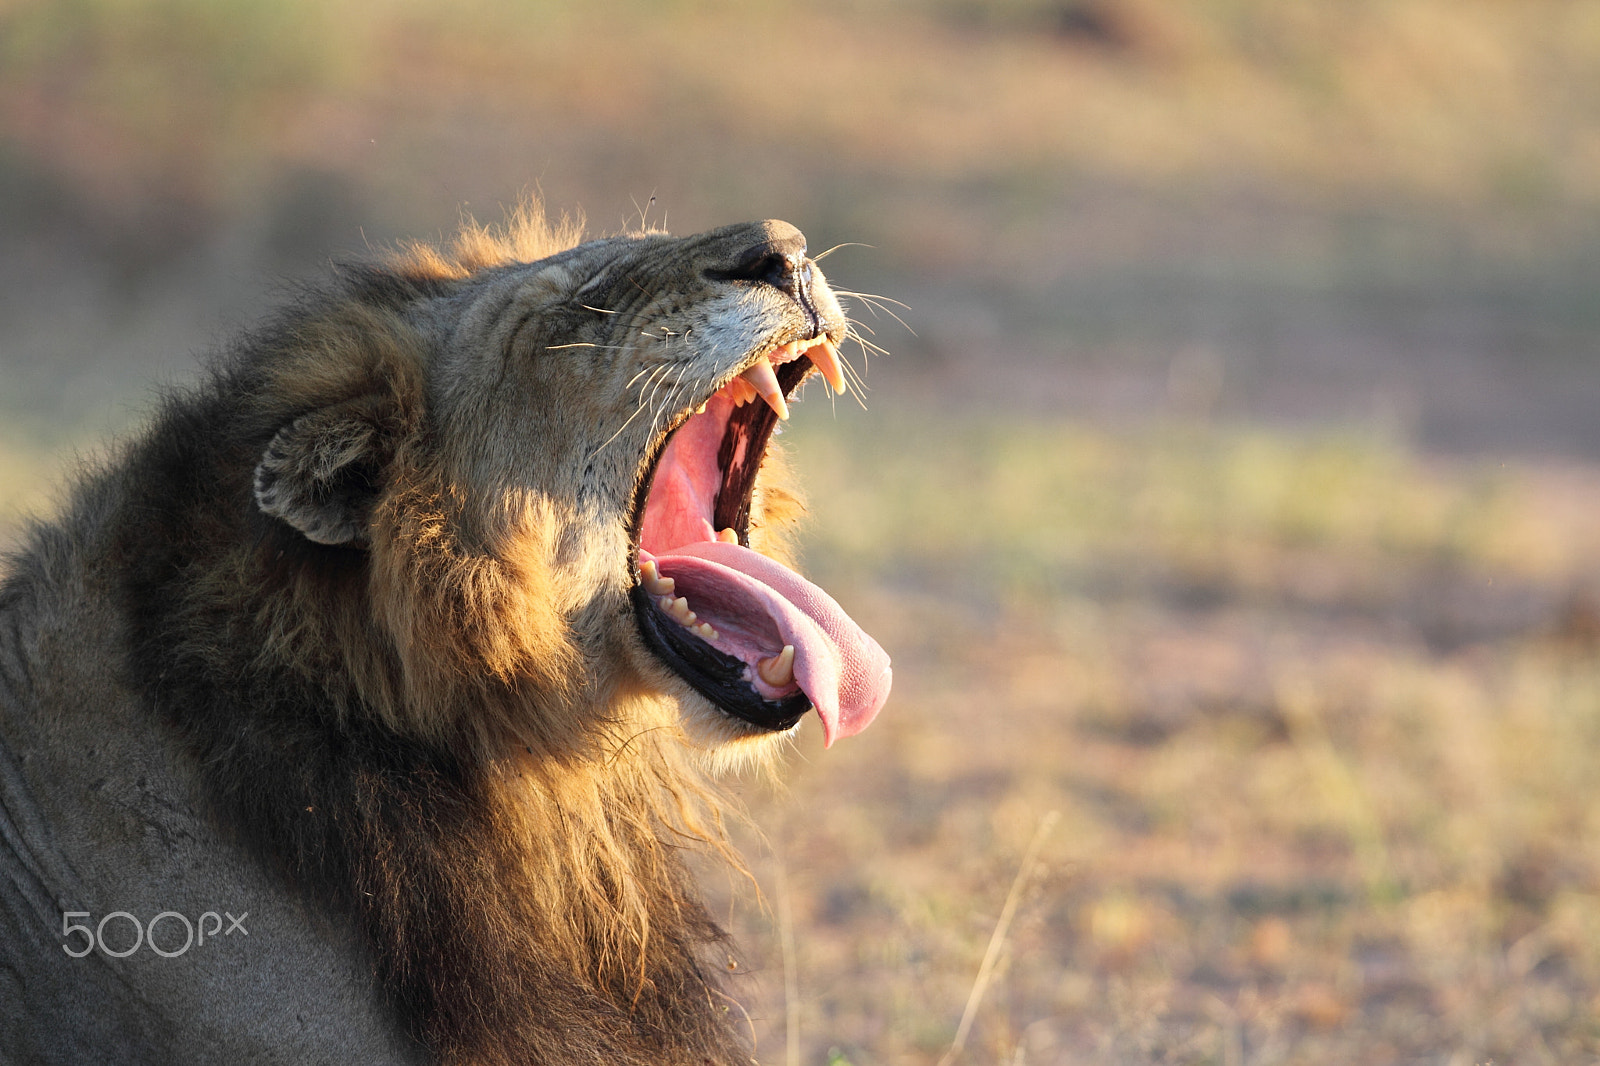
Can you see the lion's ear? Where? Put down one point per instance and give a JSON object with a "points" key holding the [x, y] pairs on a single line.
{"points": [[322, 473]]}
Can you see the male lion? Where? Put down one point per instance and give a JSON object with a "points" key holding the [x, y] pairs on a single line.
{"points": [[356, 711]]}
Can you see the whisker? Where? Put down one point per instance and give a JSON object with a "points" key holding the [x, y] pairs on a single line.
{"points": [[615, 435], [876, 304], [858, 385], [866, 345], [648, 369], [655, 373], [656, 387], [670, 403], [820, 256], [872, 296], [853, 374]]}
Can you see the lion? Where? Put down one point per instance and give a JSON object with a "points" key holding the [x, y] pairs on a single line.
{"points": [[363, 707]]}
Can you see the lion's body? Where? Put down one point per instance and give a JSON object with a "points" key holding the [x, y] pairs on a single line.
{"points": [[345, 642], [99, 813]]}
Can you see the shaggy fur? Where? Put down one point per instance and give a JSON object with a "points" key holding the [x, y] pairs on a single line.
{"points": [[372, 576]]}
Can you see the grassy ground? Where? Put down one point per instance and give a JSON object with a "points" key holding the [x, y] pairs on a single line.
{"points": [[1319, 721]]}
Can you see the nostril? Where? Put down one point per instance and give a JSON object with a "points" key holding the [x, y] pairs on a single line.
{"points": [[776, 263], [774, 268]]}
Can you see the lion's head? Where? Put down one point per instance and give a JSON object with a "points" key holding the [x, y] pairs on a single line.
{"points": [[586, 434]]}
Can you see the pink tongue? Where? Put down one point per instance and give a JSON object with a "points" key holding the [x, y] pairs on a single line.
{"points": [[757, 606]]}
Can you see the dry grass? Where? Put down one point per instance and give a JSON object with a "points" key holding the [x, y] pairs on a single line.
{"points": [[1002, 106], [1321, 721]]}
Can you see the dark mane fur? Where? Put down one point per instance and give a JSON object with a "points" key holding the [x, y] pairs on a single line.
{"points": [[520, 905]]}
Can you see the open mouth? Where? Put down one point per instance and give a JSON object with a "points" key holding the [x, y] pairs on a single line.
{"points": [[759, 641]]}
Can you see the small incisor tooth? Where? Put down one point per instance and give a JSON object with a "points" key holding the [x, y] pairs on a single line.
{"points": [[825, 356], [727, 536], [761, 376], [778, 671]]}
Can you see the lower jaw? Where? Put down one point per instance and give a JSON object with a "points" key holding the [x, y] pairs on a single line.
{"points": [[717, 677]]}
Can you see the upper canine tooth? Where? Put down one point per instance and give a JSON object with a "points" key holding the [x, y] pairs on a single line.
{"points": [[826, 357], [765, 382], [778, 671]]}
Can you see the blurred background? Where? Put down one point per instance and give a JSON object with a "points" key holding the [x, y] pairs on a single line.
{"points": [[1232, 488]]}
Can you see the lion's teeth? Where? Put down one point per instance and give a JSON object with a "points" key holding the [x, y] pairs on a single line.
{"points": [[826, 357], [765, 382], [727, 536], [783, 353], [650, 577], [778, 671], [677, 608]]}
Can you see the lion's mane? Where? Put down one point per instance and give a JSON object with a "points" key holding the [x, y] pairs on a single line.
{"points": [[393, 725]]}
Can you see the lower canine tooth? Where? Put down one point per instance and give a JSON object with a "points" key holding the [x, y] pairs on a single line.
{"points": [[778, 671], [727, 536], [650, 577]]}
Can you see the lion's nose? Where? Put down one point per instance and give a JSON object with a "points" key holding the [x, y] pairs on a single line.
{"points": [[779, 265], [775, 253]]}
